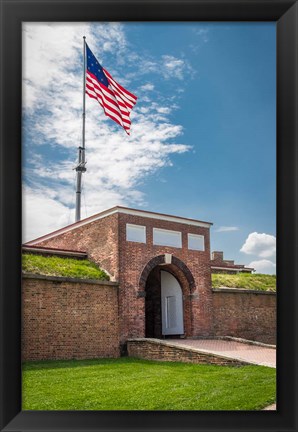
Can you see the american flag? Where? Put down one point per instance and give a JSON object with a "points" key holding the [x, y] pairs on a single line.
{"points": [[116, 101]]}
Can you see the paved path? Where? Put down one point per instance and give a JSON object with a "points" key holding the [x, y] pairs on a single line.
{"points": [[270, 408], [256, 354]]}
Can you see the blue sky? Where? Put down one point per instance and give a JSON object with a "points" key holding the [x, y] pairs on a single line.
{"points": [[202, 141]]}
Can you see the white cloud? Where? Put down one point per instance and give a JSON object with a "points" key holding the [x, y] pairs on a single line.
{"points": [[51, 51], [175, 67], [263, 266], [262, 245], [156, 111], [48, 209], [148, 86], [163, 110], [203, 34], [167, 66], [172, 66], [227, 229], [42, 213]]}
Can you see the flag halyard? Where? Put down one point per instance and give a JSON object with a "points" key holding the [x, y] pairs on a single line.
{"points": [[116, 101]]}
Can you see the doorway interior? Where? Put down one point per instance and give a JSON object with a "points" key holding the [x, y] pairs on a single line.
{"points": [[163, 304]]}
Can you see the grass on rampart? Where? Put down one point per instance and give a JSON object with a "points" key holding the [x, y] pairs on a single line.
{"points": [[260, 282], [132, 384], [60, 266]]}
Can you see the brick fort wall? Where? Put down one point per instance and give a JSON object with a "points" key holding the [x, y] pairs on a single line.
{"points": [[245, 314], [206, 312], [68, 319]]}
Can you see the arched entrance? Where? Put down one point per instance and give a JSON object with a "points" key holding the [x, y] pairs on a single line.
{"points": [[167, 284]]}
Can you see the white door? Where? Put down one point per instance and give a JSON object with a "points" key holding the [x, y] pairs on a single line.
{"points": [[171, 305]]}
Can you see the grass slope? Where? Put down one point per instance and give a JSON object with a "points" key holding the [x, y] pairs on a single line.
{"points": [[132, 384], [59, 266], [261, 282]]}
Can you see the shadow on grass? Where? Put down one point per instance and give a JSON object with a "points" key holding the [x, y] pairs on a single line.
{"points": [[71, 364], [60, 364]]}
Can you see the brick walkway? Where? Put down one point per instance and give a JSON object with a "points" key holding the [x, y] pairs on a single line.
{"points": [[255, 354]]}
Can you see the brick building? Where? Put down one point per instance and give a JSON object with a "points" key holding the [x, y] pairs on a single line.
{"points": [[160, 287], [220, 265], [161, 263]]}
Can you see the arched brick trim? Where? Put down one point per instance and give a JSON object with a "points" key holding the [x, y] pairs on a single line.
{"points": [[183, 267], [160, 259]]}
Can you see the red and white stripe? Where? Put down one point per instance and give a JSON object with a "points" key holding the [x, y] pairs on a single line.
{"points": [[115, 100]]}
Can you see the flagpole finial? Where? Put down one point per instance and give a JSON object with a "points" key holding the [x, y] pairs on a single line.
{"points": [[84, 37]]}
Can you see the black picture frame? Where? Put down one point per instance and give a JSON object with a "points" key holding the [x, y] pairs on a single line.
{"points": [[13, 13]]}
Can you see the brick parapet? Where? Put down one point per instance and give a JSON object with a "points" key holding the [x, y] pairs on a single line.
{"points": [[221, 265]]}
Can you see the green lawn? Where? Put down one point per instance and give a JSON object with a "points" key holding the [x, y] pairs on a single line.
{"points": [[132, 384], [59, 266], [260, 282]]}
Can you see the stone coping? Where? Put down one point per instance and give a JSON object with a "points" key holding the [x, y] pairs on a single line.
{"points": [[68, 279], [234, 339], [241, 290], [246, 341], [54, 251], [185, 348]]}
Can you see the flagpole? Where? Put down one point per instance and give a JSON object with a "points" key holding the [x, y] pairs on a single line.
{"points": [[80, 168]]}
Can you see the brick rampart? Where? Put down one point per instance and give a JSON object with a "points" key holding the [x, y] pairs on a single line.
{"points": [[206, 313], [69, 318], [152, 349], [245, 314]]}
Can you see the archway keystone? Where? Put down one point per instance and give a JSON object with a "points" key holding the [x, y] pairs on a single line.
{"points": [[164, 260]]}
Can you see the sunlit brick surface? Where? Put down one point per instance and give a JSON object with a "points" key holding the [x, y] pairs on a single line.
{"points": [[63, 319]]}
